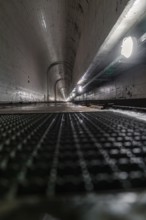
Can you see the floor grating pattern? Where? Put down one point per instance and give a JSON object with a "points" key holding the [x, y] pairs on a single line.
{"points": [[71, 153]]}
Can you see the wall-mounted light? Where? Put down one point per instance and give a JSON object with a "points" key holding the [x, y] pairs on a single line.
{"points": [[80, 89], [127, 47], [81, 80], [68, 99], [73, 95]]}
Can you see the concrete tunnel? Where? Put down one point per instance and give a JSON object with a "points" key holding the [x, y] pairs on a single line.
{"points": [[72, 109]]}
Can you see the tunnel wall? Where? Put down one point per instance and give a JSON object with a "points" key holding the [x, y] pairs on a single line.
{"points": [[130, 84], [21, 67], [100, 18], [31, 39]]}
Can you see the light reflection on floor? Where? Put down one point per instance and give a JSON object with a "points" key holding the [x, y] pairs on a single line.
{"points": [[44, 108]]}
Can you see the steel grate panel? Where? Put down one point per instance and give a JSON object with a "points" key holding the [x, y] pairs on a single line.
{"points": [[65, 153]]}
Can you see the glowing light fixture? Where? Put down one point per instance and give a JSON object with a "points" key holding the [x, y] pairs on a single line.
{"points": [[73, 95], [68, 99], [81, 80], [127, 47], [143, 37], [80, 89]]}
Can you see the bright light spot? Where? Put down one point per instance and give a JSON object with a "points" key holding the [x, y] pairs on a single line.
{"points": [[143, 37], [80, 81], [51, 98], [72, 95], [68, 99], [127, 47], [80, 89], [43, 22]]}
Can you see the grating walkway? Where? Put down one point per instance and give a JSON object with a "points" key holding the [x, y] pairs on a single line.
{"points": [[71, 153]]}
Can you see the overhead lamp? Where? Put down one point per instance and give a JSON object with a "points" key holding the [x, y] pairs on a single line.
{"points": [[127, 47], [80, 88], [143, 38], [80, 81], [68, 99], [73, 95]]}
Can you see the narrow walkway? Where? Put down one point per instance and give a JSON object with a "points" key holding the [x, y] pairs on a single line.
{"points": [[43, 108], [71, 153]]}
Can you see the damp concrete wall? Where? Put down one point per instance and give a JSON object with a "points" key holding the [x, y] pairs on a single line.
{"points": [[36, 33], [130, 84], [101, 17], [21, 65]]}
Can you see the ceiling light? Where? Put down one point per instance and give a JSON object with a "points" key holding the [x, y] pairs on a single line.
{"points": [[68, 99], [73, 95], [127, 47], [143, 38], [81, 80], [80, 89]]}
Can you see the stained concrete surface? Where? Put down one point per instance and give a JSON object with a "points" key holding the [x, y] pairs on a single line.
{"points": [[117, 206], [130, 84], [44, 108], [37, 33]]}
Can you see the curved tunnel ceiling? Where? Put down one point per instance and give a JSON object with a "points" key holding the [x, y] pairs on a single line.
{"points": [[42, 41], [36, 34]]}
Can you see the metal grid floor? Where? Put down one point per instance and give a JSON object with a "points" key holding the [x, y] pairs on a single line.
{"points": [[71, 153]]}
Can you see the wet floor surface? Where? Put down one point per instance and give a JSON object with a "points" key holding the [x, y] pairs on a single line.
{"points": [[44, 108]]}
